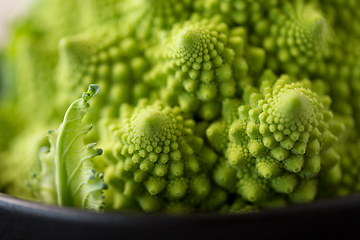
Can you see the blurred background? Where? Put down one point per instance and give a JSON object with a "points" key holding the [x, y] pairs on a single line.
{"points": [[9, 11]]}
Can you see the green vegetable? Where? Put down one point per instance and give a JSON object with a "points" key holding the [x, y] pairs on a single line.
{"points": [[206, 105], [67, 176], [279, 142], [159, 163]]}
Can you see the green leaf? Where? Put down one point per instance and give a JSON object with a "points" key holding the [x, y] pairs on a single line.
{"points": [[67, 176]]}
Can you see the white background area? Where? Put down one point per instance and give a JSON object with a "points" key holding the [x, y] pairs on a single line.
{"points": [[9, 11]]}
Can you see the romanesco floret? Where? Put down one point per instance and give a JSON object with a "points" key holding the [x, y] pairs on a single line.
{"points": [[105, 57], [350, 170], [297, 38], [277, 144], [295, 34], [148, 17], [238, 12], [199, 65], [160, 163]]}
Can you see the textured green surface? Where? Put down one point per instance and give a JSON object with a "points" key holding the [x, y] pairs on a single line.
{"points": [[278, 143], [232, 105], [160, 163]]}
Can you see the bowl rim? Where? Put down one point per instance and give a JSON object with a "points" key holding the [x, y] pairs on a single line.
{"points": [[335, 217]]}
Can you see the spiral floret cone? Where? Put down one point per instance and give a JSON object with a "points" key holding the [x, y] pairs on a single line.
{"points": [[298, 39], [159, 160], [281, 140], [290, 123], [197, 65]]}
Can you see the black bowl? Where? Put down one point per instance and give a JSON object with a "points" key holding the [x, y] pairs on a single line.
{"points": [[340, 217]]}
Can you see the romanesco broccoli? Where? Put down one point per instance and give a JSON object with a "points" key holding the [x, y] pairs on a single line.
{"points": [[206, 105]]}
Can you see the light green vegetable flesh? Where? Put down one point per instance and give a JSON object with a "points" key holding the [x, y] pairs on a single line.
{"points": [[67, 176], [206, 105]]}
